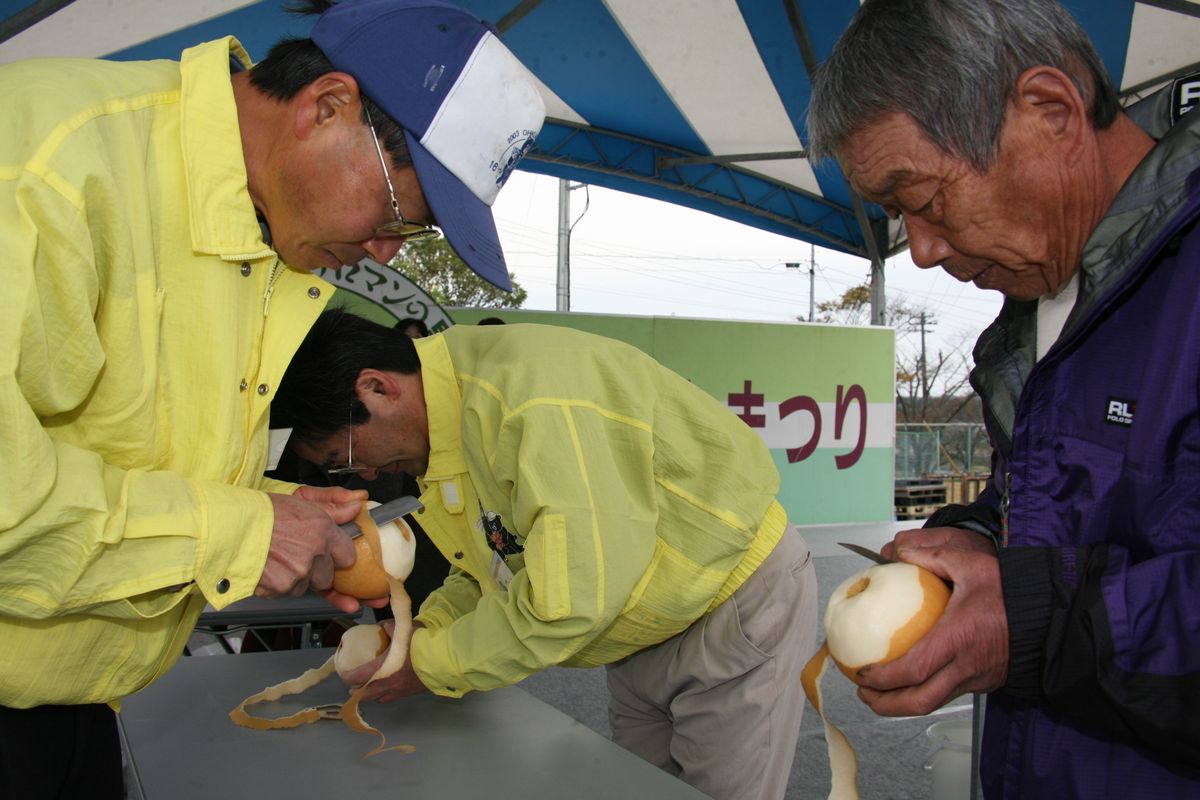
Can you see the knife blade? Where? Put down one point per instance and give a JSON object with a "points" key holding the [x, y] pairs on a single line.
{"points": [[382, 515], [864, 551]]}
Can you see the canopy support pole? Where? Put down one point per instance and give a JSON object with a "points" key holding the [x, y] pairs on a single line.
{"points": [[871, 237]]}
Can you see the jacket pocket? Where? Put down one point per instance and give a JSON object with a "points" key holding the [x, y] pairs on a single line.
{"points": [[546, 561]]}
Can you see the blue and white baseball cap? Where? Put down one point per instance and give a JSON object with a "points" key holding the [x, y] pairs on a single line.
{"points": [[469, 109]]}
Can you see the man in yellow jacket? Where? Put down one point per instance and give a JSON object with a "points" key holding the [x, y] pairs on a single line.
{"points": [[596, 508], [149, 214]]}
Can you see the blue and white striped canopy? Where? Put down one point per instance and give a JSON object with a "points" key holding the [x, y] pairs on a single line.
{"points": [[696, 102]]}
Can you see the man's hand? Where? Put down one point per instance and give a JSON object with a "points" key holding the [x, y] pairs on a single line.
{"points": [[332, 497], [967, 649], [306, 544], [932, 538], [402, 684]]}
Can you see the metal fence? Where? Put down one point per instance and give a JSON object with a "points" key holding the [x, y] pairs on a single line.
{"points": [[941, 448]]}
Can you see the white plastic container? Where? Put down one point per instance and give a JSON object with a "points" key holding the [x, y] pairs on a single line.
{"points": [[950, 761]]}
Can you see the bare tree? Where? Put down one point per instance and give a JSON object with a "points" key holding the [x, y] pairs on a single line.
{"points": [[920, 379], [932, 389]]}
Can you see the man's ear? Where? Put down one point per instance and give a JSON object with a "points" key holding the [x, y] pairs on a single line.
{"points": [[374, 385], [1053, 103], [325, 101]]}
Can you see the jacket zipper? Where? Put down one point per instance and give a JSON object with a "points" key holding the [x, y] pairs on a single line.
{"points": [[1005, 504], [276, 271]]}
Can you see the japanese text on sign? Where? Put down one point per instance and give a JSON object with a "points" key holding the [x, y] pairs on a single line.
{"points": [[750, 405]]}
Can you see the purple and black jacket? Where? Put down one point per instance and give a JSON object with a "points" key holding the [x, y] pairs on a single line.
{"points": [[1097, 453]]}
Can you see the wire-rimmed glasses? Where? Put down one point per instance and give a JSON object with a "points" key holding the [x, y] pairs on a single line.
{"points": [[401, 227]]}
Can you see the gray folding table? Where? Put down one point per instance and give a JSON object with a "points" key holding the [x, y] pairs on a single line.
{"points": [[499, 744]]}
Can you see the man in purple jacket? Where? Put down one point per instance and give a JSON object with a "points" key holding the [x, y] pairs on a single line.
{"points": [[993, 131]]}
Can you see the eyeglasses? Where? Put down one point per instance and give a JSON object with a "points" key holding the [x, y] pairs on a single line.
{"points": [[401, 227], [349, 468]]}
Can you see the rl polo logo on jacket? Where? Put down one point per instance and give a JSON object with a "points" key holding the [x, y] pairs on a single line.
{"points": [[1120, 411]]}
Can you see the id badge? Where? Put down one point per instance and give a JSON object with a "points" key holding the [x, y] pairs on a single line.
{"points": [[500, 572]]}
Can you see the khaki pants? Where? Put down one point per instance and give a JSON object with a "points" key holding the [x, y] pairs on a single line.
{"points": [[719, 705]]}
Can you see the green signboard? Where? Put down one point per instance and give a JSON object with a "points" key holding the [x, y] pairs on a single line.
{"points": [[821, 397]]}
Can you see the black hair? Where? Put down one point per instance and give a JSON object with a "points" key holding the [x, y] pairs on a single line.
{"points": [[317, 396], [490, 321], [291, 64]]}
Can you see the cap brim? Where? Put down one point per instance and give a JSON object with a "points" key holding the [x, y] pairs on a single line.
{"points": [[465, 220]]}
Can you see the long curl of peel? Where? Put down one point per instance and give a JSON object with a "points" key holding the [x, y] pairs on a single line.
{"points": [[303, 682], [396, 655], [397, 652], [843, 761]]}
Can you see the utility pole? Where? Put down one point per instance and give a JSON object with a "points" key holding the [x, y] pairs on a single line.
{"points": [[921, 369], [812, 280], [878, 294], [563, 291]]}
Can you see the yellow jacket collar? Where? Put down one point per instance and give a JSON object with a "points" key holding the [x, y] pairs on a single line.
{"points": [[443, 406], [217, 186]]}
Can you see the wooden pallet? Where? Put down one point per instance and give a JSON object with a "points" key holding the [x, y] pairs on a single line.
{"points": [[919, 494], [922, 512], [918, 499]]}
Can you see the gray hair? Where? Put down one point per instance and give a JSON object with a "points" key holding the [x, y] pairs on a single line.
{"points": [[952, 65]]}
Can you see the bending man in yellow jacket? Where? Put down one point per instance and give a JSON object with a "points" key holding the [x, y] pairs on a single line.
{"points": [[597, 508]]}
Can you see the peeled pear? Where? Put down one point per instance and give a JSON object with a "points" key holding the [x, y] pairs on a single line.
{"points": [[876, 615]]}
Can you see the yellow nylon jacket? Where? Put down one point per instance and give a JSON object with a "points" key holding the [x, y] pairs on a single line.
{"points": [[144, 325], [628, 501]]}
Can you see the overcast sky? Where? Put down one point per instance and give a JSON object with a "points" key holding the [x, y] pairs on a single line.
{"points": [[632, 255]]}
